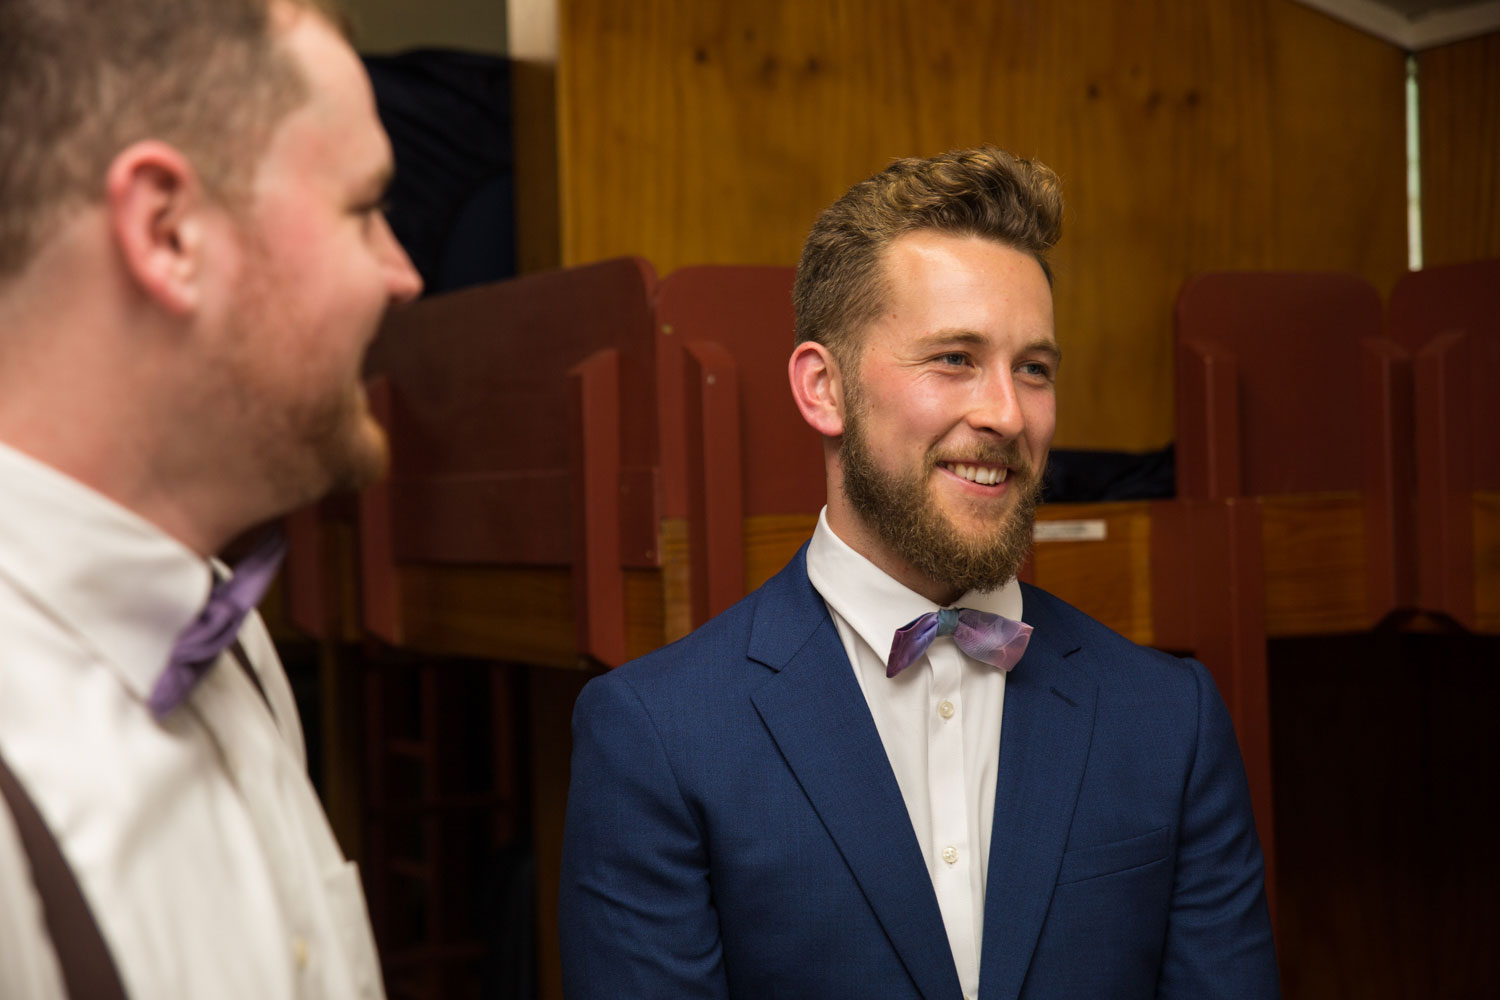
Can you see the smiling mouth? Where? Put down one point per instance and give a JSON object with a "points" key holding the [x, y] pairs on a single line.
{"points": [[982, 475]]}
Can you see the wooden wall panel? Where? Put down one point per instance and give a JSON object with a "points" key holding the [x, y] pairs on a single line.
{"points": [[1459, 87], [1238, 134]]}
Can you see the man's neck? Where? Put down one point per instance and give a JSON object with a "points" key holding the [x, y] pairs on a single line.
{"points": [[169, 510], [855, 533]]}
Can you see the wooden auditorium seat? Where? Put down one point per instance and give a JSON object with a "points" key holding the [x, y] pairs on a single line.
{"points": [[1449, 319], [1293, 458], [518, 522], [518, 526], [742, 474], [1289, 393]]}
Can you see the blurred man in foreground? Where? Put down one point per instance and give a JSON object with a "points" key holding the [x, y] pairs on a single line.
{"points": [[193, 260]]}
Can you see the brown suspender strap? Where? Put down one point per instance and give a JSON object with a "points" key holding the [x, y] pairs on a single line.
{"points": [[88, 970]]}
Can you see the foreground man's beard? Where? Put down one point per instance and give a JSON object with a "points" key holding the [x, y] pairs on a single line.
{"points": [[309, 438], [907, 519]]}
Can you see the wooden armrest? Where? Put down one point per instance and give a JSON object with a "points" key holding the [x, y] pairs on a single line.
{"points": [[710, 387], [1387, 473], [1445, 528], [1208, 421], [598, 576]]}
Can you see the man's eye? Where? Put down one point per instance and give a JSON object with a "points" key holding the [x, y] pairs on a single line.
{"points": [[373, 215], [1037, 368], [953, 359]]}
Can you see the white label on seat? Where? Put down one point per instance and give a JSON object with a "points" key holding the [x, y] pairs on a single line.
{"points": [[1070, 531]]}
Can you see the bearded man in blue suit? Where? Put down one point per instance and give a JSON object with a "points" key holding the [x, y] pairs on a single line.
{"points": [[794, 801]]}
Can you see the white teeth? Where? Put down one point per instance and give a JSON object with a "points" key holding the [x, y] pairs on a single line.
{"points": [[979, 474]]}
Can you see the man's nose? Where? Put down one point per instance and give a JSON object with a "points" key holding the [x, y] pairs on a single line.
{"points": [[996, 407], [403, 282]]}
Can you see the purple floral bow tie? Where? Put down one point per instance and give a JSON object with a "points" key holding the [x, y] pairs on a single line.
{"points": [[216, 626], [991, 639]]}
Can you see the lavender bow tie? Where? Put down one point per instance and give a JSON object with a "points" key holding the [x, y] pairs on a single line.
{"points": [[991, 639], [216, 626]]}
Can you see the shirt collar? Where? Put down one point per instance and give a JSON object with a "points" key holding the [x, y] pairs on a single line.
{"points": [[875, 604], [124, 587]]}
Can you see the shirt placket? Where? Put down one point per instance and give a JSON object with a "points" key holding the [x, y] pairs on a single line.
{"points": [[951, 853], [247, 739]]}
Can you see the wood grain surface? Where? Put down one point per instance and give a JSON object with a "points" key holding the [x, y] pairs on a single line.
{"points": [[1190, 137], [1459, 88], [513, 614], [1109, 579], [1314, 551]]}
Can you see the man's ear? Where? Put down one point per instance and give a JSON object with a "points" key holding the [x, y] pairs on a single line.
{"points": [[155, 203], [818, 388]]}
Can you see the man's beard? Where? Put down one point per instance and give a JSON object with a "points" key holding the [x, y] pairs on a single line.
{"points": [[347, 451], [305, 443], [906, 517]]}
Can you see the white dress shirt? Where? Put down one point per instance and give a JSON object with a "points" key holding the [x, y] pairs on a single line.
{"points": [[198, 841], [939, 720]]}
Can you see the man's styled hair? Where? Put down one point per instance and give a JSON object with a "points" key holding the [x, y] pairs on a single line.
{"points": [[983, 192], [80, 80]]}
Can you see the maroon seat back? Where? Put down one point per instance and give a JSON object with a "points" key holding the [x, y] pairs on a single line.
{"points": [[1449, 319], [480, 436], [1269, 383], [1288, 391], [732, 442], [521, 419]]}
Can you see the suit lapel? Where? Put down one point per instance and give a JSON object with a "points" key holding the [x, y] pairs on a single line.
{"points": [[817, 715], [1044, 742]]}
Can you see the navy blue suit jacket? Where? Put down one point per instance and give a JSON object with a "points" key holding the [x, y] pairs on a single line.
{"points": [[734, 828]]}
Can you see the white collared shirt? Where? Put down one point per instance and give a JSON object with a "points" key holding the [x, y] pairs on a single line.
{"points": [[939, 720], [198, 842]]}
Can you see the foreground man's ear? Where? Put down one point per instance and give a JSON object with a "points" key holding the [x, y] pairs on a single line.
{"points": [[818, 388], [154, 201]]}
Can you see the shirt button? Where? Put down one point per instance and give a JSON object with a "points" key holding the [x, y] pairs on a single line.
{"points": [[299, 952], [950, 855], [945, 708]]}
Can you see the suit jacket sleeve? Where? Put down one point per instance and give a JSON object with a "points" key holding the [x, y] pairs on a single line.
{"points": [[636, 914], [1219, 931]]}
